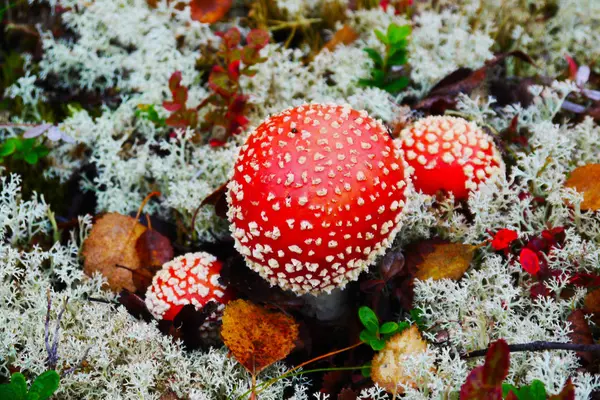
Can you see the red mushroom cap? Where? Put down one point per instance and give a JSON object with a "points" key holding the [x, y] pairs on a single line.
{"points": [[189, 279], [449, 154], [316, 196]]}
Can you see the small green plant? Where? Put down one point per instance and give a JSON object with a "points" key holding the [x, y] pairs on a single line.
{"points": [[148, 111], [534, 391], [29, 150], [42, 387], [396, 54], [375, 335]]}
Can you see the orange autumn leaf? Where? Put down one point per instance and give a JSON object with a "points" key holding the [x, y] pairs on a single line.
{"points": [[346, 35], [209, 11], [586, 180], [256, 336], [447, 260]]}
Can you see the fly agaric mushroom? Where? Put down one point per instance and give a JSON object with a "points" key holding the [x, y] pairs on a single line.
{"points": [[317, 194], [189, 279], [449, 154]]}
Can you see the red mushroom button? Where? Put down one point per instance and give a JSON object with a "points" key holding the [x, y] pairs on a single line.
{"points": [[189, 279], [317, 194], [449, 154]]}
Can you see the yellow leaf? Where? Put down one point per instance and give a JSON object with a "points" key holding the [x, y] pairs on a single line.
{"points": [[387, 367], [447, 260], [586, 180], [256, 336]]}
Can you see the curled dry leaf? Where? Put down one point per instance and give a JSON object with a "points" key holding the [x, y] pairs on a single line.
{"points": [[209, 11], [112, 243], [256, 336], [387, 370], [447, 260], [586, 180]]}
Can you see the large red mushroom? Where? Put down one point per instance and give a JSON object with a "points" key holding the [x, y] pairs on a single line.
{"points": [[317, 194], [449, 154], [189, 279]]}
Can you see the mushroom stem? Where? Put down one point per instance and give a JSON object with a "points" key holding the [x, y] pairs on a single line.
{"points": [[326, 306]]}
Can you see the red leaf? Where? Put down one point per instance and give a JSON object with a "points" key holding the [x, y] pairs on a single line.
{"points": [[216, 142], [572, 67], [511, 396], [232, 38], [257, 38], [171, 106], [175, 81], [497, 361], [503, 238], [529, 261], [234, 69], [567, 393], [485, 382]]}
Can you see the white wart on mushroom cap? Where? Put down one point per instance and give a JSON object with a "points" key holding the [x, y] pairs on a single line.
{"points": [[317, 194], [449, 154], [189, 279]]}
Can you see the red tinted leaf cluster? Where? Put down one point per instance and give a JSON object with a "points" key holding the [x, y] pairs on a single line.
{"points": [[228, 116], [181, 116], [485, 382]]}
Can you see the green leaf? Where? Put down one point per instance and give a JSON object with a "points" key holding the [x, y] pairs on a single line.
{"points": [[18, 382], [8, 147], [8, 391], [378, 77], [397, 85], [399, 57], [382, 38], [366, 370], [366, 336], [377, 344], [375, 56], [368, 319], [416, 315], [396, 33], [41, 151], [403, 325], [30, 158], [537, 390], [388, 327], [45, 385], [507, 387]]}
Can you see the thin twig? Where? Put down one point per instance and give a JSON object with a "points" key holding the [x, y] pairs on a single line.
{"points": [[539, 346]]}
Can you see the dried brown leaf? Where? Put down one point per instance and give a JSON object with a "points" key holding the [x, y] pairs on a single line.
{"points": [[111, 244], [256, 336], [447, 260], [586, 180]]}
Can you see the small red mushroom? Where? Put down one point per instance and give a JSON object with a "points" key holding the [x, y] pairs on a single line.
{"points": [[317, 194], [449, 154], [189, 279]]}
